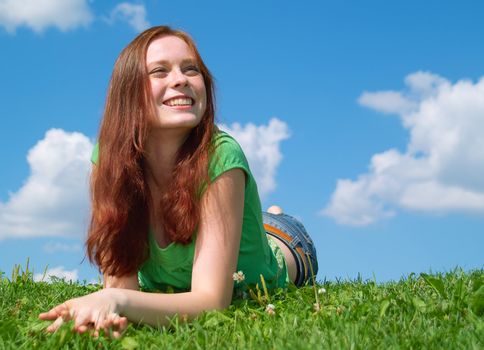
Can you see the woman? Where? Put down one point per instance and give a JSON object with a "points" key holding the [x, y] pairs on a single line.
{"points": [[175, 205]]}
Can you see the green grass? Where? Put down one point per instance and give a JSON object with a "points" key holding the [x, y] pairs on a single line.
{"points": [[443, 311]]}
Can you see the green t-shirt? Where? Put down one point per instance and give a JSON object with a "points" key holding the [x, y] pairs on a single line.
{"points": [[171, 267]]}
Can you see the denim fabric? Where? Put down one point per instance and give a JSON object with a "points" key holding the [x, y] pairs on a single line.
{"points": [[300, 238]]}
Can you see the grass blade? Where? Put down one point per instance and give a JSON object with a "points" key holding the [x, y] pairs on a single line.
{"points": [[435, 283]]}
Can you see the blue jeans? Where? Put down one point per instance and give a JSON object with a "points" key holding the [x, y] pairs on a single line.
{"points": [[292, 233]]}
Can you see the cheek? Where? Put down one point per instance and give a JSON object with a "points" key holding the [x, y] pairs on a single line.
{"points": [[156, 91]]}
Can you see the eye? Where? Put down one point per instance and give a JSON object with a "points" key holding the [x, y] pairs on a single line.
{"points": [[192, 70], [159, 72]]}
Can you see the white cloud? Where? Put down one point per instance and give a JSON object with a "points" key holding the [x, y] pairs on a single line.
{"points": [[261, 146], [135, 15], [54, 201], [59, 272], [41, 14], [54, 247], [442, 167], [386, 101]]}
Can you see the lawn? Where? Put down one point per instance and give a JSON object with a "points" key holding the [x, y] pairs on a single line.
{"points": [[429, 311]]}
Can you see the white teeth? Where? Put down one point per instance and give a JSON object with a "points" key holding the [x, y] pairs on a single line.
{"points": [[182, 101]]}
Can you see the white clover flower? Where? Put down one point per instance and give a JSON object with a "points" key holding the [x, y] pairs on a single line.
{"points": [[321, 291], [271, 309], [238, 276]]}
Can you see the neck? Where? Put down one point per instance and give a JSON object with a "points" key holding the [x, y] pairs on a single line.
{"points": [[162, 147]]}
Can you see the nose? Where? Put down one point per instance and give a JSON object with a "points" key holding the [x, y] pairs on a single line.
{"points": [[179, 79]]}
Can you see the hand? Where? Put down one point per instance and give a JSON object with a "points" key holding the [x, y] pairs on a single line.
{"points": [[94, 311]]}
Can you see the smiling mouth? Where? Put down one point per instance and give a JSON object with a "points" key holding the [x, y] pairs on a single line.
{"points": [[179, 101]]}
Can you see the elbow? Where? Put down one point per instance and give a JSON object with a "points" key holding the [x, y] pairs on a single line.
{"points": [[220, 303], [215, 302], [224, 300]]}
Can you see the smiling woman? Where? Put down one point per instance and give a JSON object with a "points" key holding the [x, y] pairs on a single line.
{"points": [[174, 202]]}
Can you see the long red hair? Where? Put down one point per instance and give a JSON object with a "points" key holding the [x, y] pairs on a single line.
{"points": [[118, 233]]}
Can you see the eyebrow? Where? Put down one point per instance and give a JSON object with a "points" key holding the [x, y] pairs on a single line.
{"points": [[165, 62]]}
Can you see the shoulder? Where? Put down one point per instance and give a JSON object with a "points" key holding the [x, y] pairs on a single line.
{"points": [[227, 155], [223, 141]]}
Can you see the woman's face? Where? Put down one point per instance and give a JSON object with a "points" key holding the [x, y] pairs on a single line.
{"points": [[177, 85]]}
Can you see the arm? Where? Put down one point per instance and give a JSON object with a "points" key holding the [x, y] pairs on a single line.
{"points": [[215, 259]]}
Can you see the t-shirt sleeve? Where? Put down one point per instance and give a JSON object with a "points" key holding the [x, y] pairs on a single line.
{"points": [[227, 155], [95, 154]]}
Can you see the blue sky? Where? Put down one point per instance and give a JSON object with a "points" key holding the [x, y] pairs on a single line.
{"points": [[364, 119]]}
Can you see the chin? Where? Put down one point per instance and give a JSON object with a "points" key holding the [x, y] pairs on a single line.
{"points": [[179, 124]]}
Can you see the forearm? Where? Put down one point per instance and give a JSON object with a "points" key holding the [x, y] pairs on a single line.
{"points": [[156, 308]]}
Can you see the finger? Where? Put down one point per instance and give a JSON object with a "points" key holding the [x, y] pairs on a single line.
{"points": [[67, 314], [119, 327], [98, 319], [82, 328], [122, 324], [115, 325], [53, 313], [116, 334], [55, 325], [82, 318], [108, 322]]}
